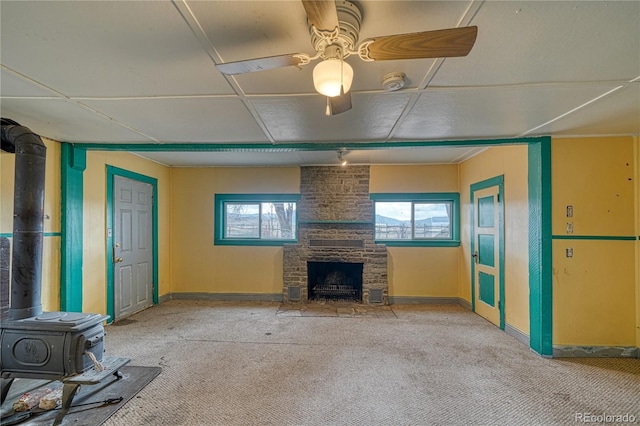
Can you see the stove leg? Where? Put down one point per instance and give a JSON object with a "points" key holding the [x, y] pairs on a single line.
{"points": [[69, 390], [6, 384]]}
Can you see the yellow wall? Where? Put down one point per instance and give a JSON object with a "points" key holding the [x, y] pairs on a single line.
{"points": [[198, 265], [512, 162], [94, 229], [419, 271], [636, 144], [594, 292], [51, 243]]}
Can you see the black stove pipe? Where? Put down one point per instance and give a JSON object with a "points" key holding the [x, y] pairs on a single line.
{"points": [[28, 218]]}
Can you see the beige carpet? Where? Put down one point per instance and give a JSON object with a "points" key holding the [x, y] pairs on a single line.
{"points": [[240, 363]]}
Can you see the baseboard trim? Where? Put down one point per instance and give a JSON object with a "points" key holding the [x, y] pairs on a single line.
{"points": [[519, 335], [230, 297], [409, 300], [164, 298], [595, 352], [465, 304]]}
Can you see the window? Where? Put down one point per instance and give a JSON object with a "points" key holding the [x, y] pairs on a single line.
{"points": [[425, 219], [255, 219]]}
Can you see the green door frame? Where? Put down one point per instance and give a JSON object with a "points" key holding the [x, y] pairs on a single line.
{"points": [[111, 173], [488, 183], [539, 185]]}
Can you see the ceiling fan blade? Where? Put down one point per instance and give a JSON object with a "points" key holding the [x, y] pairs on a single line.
{"points": [[322, 14], [339, 104], [259, 64], [427, 44]]}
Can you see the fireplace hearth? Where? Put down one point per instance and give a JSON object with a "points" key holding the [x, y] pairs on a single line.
{"points": [[329, 281]]}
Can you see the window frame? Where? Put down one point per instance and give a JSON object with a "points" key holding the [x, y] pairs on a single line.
{"points": [[422, 197], [219, 219]]}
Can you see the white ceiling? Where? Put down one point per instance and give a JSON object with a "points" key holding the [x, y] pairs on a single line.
{"points": [[109, 72]]}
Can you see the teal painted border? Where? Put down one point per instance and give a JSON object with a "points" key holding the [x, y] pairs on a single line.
{"points": [[488, 183], [594, 237], [111, 173], [540, 248], [219, 219], [298, 146], [73, 163], [44, 234], [539, 159], [454, 197]]}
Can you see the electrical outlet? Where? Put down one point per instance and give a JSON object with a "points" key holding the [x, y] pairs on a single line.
{"points": [[569, 227], [569, 252], [569, 211]]}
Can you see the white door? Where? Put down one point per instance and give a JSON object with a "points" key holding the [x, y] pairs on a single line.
{"points": [[133, 246]]}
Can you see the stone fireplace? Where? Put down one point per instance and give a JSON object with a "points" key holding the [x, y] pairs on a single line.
{"points": [[335, 226]]}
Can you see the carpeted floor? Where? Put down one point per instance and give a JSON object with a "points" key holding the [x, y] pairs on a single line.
{"points": [[241, 363]]}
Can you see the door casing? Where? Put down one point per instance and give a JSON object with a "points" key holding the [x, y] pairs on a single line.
{"points": [[111, 172]]}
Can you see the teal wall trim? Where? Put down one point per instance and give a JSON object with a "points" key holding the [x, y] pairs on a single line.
{"points": [[73, 163], [115, 171], [488, 183], [540, 248], [594, 237], [297, 146], [44, 234]]}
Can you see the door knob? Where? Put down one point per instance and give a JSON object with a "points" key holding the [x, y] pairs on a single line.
{"points": [[475, 256], [117, 260]]}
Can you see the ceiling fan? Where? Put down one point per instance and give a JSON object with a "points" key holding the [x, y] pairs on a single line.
{"points": [[334, 26]]}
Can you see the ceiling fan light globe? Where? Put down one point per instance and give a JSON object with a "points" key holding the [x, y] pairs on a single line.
{"points": [[327, 78]]}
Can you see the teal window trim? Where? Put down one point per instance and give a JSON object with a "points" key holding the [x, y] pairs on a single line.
{"points": [[488, 183], [73, 162], [113, 171], [219, 218], [452, 197]]}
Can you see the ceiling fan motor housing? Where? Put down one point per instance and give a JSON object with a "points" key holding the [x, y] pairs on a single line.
{"points": [[349, 19]]}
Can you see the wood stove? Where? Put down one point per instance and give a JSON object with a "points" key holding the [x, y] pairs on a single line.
{"points": [[65, 346]]}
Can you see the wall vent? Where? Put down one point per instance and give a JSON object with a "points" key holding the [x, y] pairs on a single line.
{"points": [[375, 295], [336, 243], [295, 294]]}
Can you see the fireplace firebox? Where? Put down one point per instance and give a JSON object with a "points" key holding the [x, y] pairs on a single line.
{"points": [[335, 281]]}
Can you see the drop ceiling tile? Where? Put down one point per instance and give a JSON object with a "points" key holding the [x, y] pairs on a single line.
{"points": [[617, 113], [302, 118], [15, 86], [549, 41], [66, 121], [192, 120], [486, 113], [107, 48]]}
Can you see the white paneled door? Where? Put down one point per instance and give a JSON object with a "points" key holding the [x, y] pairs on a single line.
{"points": [[132, 246]]}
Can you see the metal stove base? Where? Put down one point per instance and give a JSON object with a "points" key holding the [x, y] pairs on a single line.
{"points": [[71, 384]]}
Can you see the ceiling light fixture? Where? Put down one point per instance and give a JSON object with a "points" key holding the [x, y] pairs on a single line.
{"points": [[341, 154], [332, 73], [327, 77]]}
